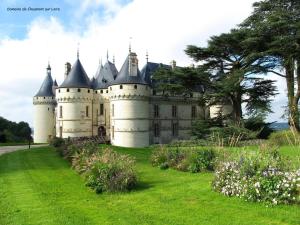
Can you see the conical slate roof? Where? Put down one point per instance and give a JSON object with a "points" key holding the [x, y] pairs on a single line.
{"points": [[125, 78], [46, 88], [105, 75], [77, 78], [55, 83]]}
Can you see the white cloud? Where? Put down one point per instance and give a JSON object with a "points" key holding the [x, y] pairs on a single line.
{"points": [[164, 28]]}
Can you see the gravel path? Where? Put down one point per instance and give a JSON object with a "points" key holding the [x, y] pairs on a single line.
{"points": [[6, 149]]}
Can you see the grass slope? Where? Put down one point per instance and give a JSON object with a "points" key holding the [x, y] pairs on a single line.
{"points": [[38, 187]]}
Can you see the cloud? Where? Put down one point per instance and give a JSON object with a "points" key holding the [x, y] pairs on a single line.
{"points": [[164, 28]]}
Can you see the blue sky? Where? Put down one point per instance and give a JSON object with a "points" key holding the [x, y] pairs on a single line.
{"points": [[71, 14], [28, 40]]}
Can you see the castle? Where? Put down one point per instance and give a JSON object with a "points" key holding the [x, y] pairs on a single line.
{"points": [[121, 106]]}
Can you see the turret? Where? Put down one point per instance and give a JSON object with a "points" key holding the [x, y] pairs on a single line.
{"points": [[105, 75], [74, 104], [129, 106], [44, 106]]}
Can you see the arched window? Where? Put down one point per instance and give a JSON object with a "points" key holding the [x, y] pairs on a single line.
{"points": [[121, 86], [68, 90], [88, 91], [101, 91], [135, 86], [78, 90]]}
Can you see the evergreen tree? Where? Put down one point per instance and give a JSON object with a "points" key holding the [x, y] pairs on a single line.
{"points": [[275, 29]]}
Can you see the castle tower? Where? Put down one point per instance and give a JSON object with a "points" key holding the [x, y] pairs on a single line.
{"points": [[44, 106], [74, 104], [129, 106], [104, 77]]}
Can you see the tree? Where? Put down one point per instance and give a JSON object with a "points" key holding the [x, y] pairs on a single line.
{"points": [[234, 72], [275, 24]]}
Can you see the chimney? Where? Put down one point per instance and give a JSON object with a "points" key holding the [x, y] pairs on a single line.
{"points": [[133, 64], [173, 64], [67, 69]]}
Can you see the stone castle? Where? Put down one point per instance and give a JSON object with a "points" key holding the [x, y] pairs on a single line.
{"points": [[123, 106]]}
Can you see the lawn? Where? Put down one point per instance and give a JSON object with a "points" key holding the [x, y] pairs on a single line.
{"points": [[38, 187]]}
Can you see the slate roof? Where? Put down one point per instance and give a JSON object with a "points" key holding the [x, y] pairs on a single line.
{"points": [[105, 75], [148, 71], [77, 78], [46, 88], [124, 77]]}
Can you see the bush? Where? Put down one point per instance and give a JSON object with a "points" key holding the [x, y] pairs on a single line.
{"points": [[57, 142], [184, 159], [111, 172], [262, 176], [284, 137]]}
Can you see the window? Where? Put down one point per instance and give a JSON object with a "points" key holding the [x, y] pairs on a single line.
{"points": [[44, 97], [174, 129], [194, 112], [48, 109], [87, 111], [68, 89], [113, 132], [112, 110], [95, 92], [156, 130], [135, 86], [78, 90], [88, 91], [101, 91], [174, 111], [121, 86], [59, 91], [106, 91], [154, 92], [110, 88], [156, 111], [101, 109], [60, 112]]}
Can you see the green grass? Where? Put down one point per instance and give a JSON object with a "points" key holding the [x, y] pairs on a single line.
{"points": [[39, 187]]}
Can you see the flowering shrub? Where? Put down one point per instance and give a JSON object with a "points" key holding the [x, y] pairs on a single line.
{"points": [[184, 159], [103, 170], [259, 177], [110, 171]]}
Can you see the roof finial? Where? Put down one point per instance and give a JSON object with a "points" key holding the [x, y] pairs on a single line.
{"points": [[130, 38], [114, 59], [48, 67], [78, 50], [107, 54], [147, 56]]}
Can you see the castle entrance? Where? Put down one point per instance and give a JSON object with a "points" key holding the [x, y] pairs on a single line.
{"points": [[101, 131]]}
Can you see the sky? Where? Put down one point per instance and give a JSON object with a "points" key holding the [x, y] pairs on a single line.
{"points": [[29, 39]]}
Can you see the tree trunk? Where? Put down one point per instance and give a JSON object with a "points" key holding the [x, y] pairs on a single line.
{"points": [[293, 99], [237, 108]]}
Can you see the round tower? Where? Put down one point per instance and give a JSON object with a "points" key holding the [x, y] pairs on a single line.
{"points": [[129, 106], [74, 117], [44, 106]]}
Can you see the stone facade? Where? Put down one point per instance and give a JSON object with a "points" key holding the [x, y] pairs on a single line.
{"points": [[120, 106]]}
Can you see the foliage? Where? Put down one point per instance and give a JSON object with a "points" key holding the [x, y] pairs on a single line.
{"points": [[57, 142], [274, 39], [257, 124], [14, 132], [110, 171], [263, 176], [184, 159], [285, 137], [103, 170]]}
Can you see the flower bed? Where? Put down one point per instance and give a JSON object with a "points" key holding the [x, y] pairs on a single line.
{"points": [[259, 177]]}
